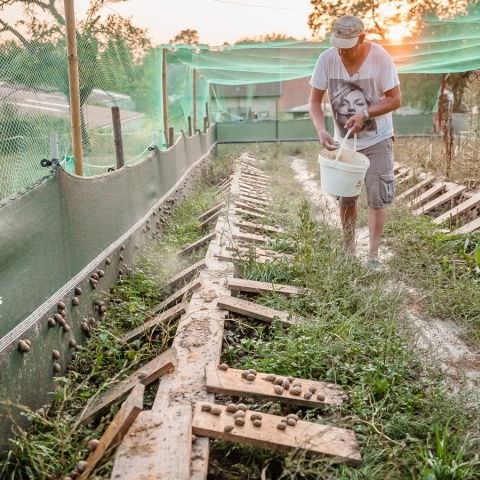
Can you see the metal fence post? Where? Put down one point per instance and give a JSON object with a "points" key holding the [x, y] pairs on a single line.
{"points": [[54, 152], [171, 136], [117, 137], [190, 128]]}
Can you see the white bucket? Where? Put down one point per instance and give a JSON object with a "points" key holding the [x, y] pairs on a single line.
{"points": [[344, 175]]}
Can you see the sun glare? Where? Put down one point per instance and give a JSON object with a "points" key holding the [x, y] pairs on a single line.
{"points": [[397, 32]]}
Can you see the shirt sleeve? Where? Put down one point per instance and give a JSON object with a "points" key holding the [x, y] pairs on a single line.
{"points": [[320, 76], [389, 75]]}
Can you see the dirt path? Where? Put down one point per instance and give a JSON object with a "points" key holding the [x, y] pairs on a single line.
{"points": [[438, 340]]}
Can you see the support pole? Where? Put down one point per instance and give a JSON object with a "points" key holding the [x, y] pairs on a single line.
{"points": [[190, 129], [171, 136], [441, 103], [207, 114], [54, 152], [74, 86], [164, 93], [194, 93], [205, 124], [117, 137], [276, 120]]}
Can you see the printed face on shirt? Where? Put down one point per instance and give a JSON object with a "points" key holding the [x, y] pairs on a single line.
{"points": [[353, 102]]}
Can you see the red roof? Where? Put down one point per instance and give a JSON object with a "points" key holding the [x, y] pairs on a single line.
{"points": [[295, 93]]}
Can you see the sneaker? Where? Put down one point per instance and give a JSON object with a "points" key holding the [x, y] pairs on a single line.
{"points": [[375, 265]]}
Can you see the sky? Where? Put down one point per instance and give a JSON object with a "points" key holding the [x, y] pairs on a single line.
{"points": [[217, 21]]}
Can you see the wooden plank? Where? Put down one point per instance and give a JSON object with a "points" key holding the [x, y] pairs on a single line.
{"points": [[114, 433], [401, 172], [210, 211], [426, 196], [463, 207], [249, 208], [241, 211], [251, 226], [252, 189], [177, 296], [253, 310], [251, 238], [146, 374], [416, 188], [338, 444], [168, 315], [231, 382], [197, 244], [225, 181], [468, 228], [256, 196], [210, 219], [405, 179], [185, 275], [446, 197], [252, 286], [254, 201], [157, 446]]}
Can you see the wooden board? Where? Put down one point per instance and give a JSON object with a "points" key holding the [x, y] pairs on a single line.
{"points": [[468, 228], [253, 310], [177, 296], [251, 238], [185, 275], [256, 196], [405, 179], [254, 201], [401, 172], [214, 216], [338, 444], [168, 315], [426, 196], [197, 244], [416, 188], [258, 227], [252, 286], [230, 382], [249, 208], [114, 433], [463, 207], [146, 374], [450, 194], [241, 211], [148, 453]]}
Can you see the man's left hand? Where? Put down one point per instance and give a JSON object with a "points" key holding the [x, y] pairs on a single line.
{"points": [[355, 122]]}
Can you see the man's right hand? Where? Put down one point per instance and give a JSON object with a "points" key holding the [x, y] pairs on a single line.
{"points": [[326, 140]]}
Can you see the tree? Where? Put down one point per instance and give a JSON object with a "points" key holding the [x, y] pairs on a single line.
{"points": [[269, 37], [186, 37], [381, 17]]}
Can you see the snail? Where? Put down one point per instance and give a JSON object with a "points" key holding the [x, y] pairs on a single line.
{"points": [[23, 346], [223, 366], [56, 354], [75, 301], [78, 291]]}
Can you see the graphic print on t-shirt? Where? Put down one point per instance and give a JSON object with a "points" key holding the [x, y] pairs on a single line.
{"points": [[348, 97]]}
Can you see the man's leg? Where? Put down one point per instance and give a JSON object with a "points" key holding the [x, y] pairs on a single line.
{"points": [[376, 223], [348, 217]]}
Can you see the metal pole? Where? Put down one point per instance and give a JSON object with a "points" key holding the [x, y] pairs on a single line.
{"points": [[205, 123], [54, 152], [190, 128], [117, 137], [276, 119], [74, 86], [441, 103], [194, 99], [164, 93], [171, 136], [206, 114]]}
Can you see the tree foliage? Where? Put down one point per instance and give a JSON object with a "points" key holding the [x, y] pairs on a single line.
{"points": [[188, 36]]}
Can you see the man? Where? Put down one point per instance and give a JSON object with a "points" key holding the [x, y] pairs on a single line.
{"points": [[363, 88]]}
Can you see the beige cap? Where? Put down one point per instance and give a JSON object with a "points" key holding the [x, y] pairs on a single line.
{"points": [[346, 31]]}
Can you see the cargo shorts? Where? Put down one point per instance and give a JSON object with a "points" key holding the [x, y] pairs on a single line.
{"points": [[379, 180]]}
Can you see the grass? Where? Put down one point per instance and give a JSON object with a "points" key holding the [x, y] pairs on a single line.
{"points": [[54, 443], [406, 423]]}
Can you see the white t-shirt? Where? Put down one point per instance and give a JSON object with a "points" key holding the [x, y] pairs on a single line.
{"points": [[349, 95]]}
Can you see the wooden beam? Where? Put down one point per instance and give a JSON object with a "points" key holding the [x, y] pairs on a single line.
{"points": [[210, 219], [165, 317], [253, 310], [251, 238], [251, 226], [254, 201], [194, 99], [115, 432], [337, 444], [247, 213], [231, 382], [185, 275], [146, 374], [252, 286], [117, 137], [446, 197], [416, 188], [249, 208], [177, 296], [210, 211], [164, 94], [197, 244], [426, 196], [405, 179], [468, 228], [401, 172], [463, 207]]}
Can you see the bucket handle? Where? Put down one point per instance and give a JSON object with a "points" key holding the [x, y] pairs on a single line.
{"points": [[344, 141]]}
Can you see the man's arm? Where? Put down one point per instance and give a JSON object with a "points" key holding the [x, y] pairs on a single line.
{"points": [[318, 118], [392, 101]]}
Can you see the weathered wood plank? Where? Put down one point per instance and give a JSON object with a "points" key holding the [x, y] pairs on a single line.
{"points": [[168, 315], [450, 194], [416, 188], [252, 286], [231, 382], [254, 196], [255, 227], [404, 179], [253, 310], [463, 207], [114, 433], [185, 275], [254, 201], [468, 227], [401, 172], [249, 208], [251, 238], [214, 216], [146, 374], [426, 196], [241, 211], [197, 244], [177, 296], [338, 444], [210, 211], [148, 453]]}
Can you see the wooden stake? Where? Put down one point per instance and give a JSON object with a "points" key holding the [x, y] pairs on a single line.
{"points": [[190, 129], [206, 114], [74, 86], [171, 136], [205, 124], [194, 94], [117, 137], [164, 94]]}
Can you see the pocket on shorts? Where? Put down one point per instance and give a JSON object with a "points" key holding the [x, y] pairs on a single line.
{"points": [[387, 187]]}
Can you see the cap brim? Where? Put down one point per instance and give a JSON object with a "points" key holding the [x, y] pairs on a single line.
{"points": [[339, 42]]}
